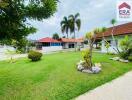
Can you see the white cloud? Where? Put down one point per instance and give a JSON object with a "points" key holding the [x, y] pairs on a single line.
{"points": [[94, 13], [51, 21]]}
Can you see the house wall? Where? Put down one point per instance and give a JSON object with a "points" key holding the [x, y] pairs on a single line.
{"points": [[51, 49], [55, 44], [66, 45], [112, 48], [80, 44], [56, 47]]}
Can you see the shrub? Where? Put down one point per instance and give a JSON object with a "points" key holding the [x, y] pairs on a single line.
{"points": [[126, 46], [85, 41], [111, 53], [34, 55], [86, 57], [130, 58], [124, 55]]}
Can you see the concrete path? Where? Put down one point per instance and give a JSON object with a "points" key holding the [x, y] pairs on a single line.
{"points": [[6, 57], [118, 89], [15, 56]]}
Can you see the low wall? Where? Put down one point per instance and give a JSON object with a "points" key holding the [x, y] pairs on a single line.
{"points": [[51, 48], [3, 49]]}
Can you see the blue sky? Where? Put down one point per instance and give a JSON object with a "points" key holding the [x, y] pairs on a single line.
{"points": [[93, 13]]}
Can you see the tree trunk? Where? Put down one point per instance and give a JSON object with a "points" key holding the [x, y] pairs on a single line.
{"points": [[91, 49], [117, 49], [67, 35], [112, 33], [90, 58], [107, 50], [74, 41]]}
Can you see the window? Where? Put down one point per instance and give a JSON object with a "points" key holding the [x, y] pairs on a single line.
{"points": [[46, 44]]}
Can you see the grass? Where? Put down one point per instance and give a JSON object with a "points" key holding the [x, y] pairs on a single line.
{"points": [[54, 77]]}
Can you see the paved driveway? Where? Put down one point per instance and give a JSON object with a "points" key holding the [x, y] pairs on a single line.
{"points": [[118, 89]]}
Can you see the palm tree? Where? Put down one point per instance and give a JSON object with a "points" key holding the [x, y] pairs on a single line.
{"points": [[75, 24], [104, 29], [113, 22], [65, 25]]}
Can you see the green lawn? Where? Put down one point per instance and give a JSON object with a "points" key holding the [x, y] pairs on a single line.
{"points": [[54, 77]]}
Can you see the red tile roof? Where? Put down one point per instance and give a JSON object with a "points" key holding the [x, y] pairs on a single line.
{"points": [[123, 29], [71, 40], [47, 39]]}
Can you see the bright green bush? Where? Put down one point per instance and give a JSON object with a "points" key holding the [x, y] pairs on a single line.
{"points": [[130, 58], [124, 55], [126, 46], [87, 58], [34, 55]]}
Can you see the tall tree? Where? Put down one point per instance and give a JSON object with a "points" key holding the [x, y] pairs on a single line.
{"points": [[91, 36], [113, 22], [65, 26], [15, 13], [75, 24], [104, 29], [55, 36], [3, 4]]}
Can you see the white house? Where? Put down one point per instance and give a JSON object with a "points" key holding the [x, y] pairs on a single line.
{"points": [[48, 44], [119, 33], [71, 43]]}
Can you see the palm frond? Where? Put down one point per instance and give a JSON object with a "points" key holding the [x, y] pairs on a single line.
{"points": [[62, 23], [89, 35], [72, 27], [97, 30], [63, 28], [65, 19], [71, 17], [77, 15], [104, 29], [78, 23]]}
